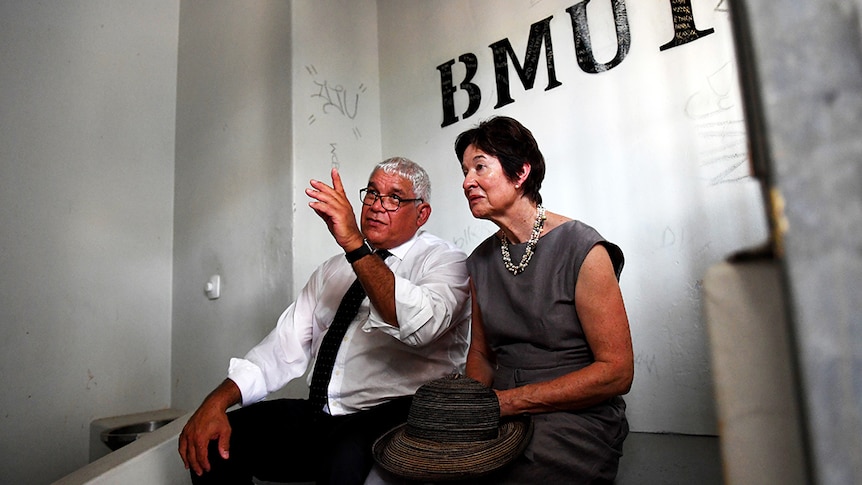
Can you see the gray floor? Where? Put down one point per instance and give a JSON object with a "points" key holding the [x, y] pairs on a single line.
{"points": [[670, 459]]}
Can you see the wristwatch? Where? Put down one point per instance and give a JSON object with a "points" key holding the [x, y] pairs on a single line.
{"points": [[358, 253]]}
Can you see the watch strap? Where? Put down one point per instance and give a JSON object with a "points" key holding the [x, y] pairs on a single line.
{"points": [[358, 253]]}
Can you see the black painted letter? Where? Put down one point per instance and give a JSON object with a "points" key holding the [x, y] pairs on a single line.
{"points": [[684, 30], [583, 42], [447, 89], [538, 32]]}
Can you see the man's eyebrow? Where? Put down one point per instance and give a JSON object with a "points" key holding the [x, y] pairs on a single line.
{"points": [[396, 191]]}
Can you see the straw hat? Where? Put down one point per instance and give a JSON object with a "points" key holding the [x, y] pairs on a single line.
{"points": [[453, 432]]}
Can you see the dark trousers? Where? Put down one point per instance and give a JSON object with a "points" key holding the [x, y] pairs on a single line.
{"points": [[284, 440]]}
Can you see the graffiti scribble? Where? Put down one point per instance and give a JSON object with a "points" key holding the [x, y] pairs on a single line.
{"points": [[336, 98], [333, 156]]}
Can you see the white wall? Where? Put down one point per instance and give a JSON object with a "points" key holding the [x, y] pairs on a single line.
{"points": [[652, 153], [270, 95], [233, 186], [336, 113], [93, 101], [86, 208]]}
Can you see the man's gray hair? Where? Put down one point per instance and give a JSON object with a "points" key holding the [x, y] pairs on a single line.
{"points": [[411, 171]]}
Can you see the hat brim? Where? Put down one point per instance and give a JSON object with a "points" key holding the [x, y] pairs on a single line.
{"points": [[420, 459]]}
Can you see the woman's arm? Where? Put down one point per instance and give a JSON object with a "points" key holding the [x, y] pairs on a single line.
{"points": [[480, 360], [600, 307]]}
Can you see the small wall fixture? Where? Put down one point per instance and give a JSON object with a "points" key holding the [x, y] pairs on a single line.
{"points": [[212, 288]]}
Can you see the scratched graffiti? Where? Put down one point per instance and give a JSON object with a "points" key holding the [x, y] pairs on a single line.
{"points": [[333, 155], [469, 236], [695, 291], [669, 237], [722, 142], [715, 97], [647, 363], [725, 160], [679, 240], [91, 380], [335, 100]]}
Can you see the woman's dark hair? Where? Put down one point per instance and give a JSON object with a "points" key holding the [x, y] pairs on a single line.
{"points": [[513, 144]]}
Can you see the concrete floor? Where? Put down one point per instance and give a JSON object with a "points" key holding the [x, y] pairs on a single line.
{"points": [[670, 459], [664, 459]]}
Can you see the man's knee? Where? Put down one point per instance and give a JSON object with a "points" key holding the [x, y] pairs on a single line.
{"points": [[349, 461], [222, 471]]}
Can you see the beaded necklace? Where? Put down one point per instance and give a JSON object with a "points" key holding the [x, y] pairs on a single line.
{"points": [[531, 245]]}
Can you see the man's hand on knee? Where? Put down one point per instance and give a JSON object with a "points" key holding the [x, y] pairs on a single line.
{"points": [[206, 424], [209, 423]]}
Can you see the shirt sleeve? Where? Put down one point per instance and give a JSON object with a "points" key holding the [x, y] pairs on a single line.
{"points": [[281, 356], [431, 294]]}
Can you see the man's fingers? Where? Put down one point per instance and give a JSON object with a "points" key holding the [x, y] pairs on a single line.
{"points": [[318, 190], [318, 212], [203, 462], [224, 445], [336, 181], [193, 451], [192, 459], [182, 450], [325, 193], [327, 205]]}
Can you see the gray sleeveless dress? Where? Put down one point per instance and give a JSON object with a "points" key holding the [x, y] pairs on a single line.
{"points": [[532, 327]]}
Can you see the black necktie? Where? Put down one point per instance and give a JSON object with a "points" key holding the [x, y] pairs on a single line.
{"points": [[347, 310]]}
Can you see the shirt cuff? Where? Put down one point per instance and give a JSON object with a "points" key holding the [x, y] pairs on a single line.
{"points": [[411, 312], [249, 379]]}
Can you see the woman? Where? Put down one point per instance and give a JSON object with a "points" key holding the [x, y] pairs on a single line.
{"points": [[549, 333]]}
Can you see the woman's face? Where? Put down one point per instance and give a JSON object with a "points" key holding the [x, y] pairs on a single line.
{"points": [[489, 192]]}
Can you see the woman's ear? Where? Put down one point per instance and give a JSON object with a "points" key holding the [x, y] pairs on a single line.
{"points": [[523, 174]]}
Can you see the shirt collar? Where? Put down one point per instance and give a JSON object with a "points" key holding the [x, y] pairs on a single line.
{"points": [[401, 251]]}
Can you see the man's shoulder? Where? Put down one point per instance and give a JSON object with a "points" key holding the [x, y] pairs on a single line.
{"points": [[438, 243], [330, 266]]}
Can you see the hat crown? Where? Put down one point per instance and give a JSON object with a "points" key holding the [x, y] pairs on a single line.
{"points": [[454, 409]]}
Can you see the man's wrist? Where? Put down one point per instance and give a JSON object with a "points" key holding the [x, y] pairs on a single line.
{"points": [[359, 253]]}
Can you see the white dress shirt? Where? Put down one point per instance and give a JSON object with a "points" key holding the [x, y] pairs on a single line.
{"points": [[376, 361]]}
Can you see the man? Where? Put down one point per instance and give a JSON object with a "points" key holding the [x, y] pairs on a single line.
{"points": [[412, 327]]}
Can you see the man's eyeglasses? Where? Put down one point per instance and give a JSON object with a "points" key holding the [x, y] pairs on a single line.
{"points": [[390, 203]]}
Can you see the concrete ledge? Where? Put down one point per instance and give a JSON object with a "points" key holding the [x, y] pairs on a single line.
{"points": [[152, 459], [98, 448]]}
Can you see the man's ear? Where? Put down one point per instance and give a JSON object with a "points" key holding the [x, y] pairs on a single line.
{"points": [[424, 211]]}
